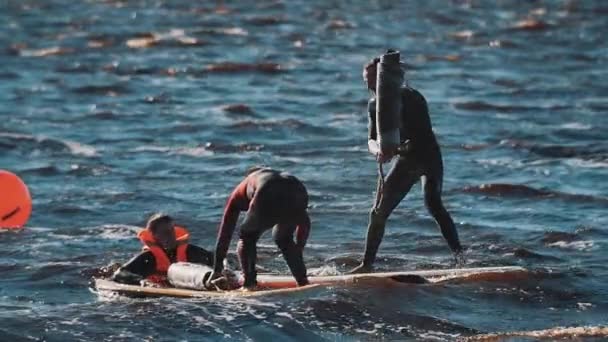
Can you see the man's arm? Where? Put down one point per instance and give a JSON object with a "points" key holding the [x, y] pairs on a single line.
{"points": [[136, 269], [229, 219], [199, 255], [302, 231]]}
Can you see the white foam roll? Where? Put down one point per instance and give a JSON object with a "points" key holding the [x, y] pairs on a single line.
{"points": [[186, 275], [388, 102]]}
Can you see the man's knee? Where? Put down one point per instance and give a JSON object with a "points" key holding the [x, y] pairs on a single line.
{"points": [[378, 215], [436, 209], [433, 202], [284, 243], [247, 237]]}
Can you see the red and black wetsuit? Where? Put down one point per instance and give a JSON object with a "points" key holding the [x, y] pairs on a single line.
{"points": [[420, 161], [271, 199]]}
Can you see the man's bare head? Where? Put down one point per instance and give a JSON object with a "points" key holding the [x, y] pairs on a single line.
{"points": [[161, 227]]}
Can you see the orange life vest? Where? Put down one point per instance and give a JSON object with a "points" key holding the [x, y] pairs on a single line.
{"points": [[160, 257]]}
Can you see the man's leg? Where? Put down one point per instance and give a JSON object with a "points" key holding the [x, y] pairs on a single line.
{"points": [[283, 237], [431, 186], [251, 229], [247, 252], [397, 184]]}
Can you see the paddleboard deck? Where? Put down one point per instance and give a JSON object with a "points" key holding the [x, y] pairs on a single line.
{"points": [[104, 285], [286, 284], [413, 277]]}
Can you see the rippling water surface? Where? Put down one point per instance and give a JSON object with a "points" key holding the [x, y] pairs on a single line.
{"points": [[112, 110]]}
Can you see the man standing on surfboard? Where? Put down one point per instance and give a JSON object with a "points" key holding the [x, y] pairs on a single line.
{"points": [[417, 151], [271, 199], [164, 244]]}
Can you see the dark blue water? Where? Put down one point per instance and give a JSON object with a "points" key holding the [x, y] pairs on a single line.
{"points": [[113, 110]]}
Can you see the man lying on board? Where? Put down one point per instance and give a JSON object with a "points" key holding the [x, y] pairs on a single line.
{"points": [[164, 244], [272, 199]]}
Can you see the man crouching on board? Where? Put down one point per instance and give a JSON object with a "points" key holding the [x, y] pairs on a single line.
{"points": [[271, 199]]}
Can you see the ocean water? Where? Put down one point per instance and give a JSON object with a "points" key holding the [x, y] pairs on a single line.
{"points": [[113, 110]]}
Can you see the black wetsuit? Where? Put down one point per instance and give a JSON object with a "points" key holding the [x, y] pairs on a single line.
{"points": [[421, 159], [143, 265], [272, 199]]}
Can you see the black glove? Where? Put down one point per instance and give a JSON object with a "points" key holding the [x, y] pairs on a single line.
{"points": [[126, 277], [405, 148]]}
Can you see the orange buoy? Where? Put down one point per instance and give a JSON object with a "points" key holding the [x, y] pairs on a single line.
{"points": [[15, 201]]}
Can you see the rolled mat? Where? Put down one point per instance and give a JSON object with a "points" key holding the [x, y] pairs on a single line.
{"points": [[388, 102], [185, 275]]}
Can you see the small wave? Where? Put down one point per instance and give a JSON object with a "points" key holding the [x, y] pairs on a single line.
{"points": [[589, 164], [225, 148], [162, 98], [527, 254], [121, 70], [76, 68], [574, 245], [100, 272], [227, 31], [474, 147], [73, 147], [348, 261], [500, 189], [200, 151], [500, 108], [520, 190], [104, 115], [355, 316], [45, 52], [48, 170], [8, 75], [80, 149], [446, 58], [100, 43], [175, 37], [277, 124], [51, 270], [266, 20], [549, 334], [566, 240], [553, 236], [443, 19], [576, 126], [107, 90], [88, 170], [66, 209], [238, 108], [589, 230], [232, 67], [117, 231], [339, 24], [325, 270], [591, 152], [462, 35], [531, 24], [114, 68], [196, 151]]}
